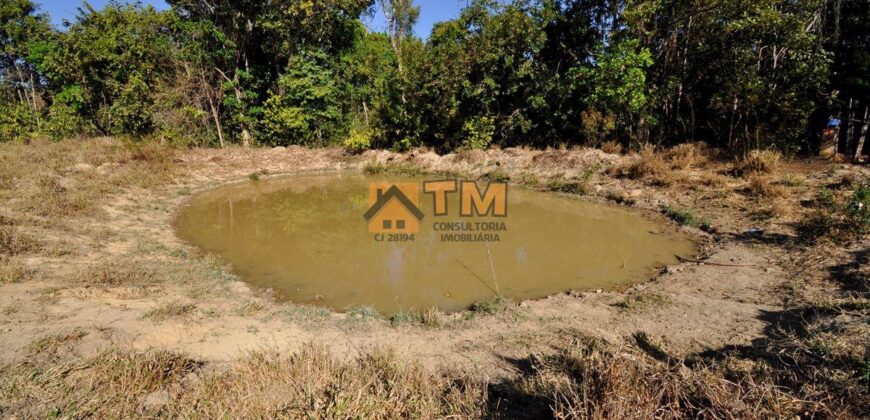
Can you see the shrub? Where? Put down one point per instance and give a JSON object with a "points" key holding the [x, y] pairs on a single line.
{"points": [[17, 122], [358, 140], [685, 156], [761, 161], [597, 126], [478, 133], [647, 165], [612, 147]]}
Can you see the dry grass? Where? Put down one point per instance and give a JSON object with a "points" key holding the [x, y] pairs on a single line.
{"points": [[52, 346], [760, 186], [590, 380], [13, 271], [170, 310], [689, 155], [760, 162], [663, 168], [713, 180], [647, 164], [308, 384], [117, 273], [69, 178], [643, 300], [612, 147], [585, 378], [13, 242]]}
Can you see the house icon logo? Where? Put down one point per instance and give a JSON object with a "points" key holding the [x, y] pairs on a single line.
{"points": [[394, 208]]}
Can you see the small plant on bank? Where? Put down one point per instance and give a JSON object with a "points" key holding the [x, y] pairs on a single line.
{"points": [[567, 187], [406, 317], [620, 198], [492, 305], [685, 217], [496, 175], [402, 169], [254, 177], [431, 318], [374, 167], [363, 313]]}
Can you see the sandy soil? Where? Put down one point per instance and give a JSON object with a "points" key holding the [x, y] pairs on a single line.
{"points": [[732, 298]]}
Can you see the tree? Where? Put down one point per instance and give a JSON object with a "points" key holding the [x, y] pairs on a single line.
{"points": [[265, 36], [105, 65], [617, 82], [305, 107], [23, 33]]}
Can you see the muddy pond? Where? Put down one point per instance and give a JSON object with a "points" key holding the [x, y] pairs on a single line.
{"points": [[306, 239]]}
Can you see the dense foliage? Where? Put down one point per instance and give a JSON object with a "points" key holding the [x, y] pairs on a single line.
{"points": [[738, 74]]}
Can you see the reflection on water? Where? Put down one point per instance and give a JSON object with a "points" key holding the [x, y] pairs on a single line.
{"points": [[305, 238]]}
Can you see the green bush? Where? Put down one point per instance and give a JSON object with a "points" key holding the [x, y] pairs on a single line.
{"points": [[358, 140], [17, 122], [478, 133]]}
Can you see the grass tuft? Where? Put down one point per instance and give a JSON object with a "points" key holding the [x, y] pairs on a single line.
{"points": [[492, 305], [363, 313], [14, 271], [611, 147], [760, 162], [170, 310], [685, 217], [761, 187], [644, 300], [13, 242]]}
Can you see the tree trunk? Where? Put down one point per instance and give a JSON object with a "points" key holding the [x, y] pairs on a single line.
{"points": [[863, 135], [217, 120], [849, 125], [246, 132]]}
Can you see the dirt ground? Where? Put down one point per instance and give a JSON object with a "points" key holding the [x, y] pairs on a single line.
{"points": [[118, 277]]}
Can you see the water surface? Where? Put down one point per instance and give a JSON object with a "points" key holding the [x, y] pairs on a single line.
{"points": [[305, 238]]}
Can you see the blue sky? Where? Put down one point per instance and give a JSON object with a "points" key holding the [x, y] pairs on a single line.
{"points": [[431, 11]]}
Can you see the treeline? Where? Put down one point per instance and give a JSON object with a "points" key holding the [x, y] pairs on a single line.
{"points": [[737, 74]]}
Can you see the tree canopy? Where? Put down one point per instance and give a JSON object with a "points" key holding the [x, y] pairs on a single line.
{"points": [[738, 74]]}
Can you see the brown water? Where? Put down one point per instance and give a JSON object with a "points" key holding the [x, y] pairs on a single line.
{"points": [[305, 238]]}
